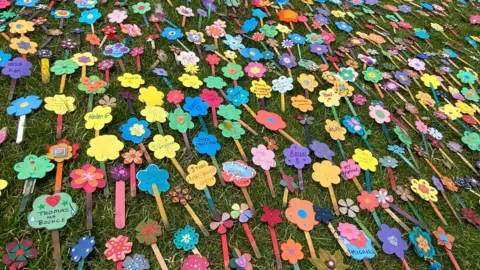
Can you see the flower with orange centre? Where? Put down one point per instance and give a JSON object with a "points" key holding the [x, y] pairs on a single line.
{"points": [[368, 201], [291, 251], [424, 190]]}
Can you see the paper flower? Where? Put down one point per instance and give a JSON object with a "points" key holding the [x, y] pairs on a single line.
{"points": [[180, 195], [372, 75], [62, 151], [18, 253], [231, 129], [323, 214], [214, 82], [255, 70], [297, 156], [190, 81], [120, 172], [163, 146], [33, 167], [195, 37], [329, 98], [84, 59], [195, 261], [92, 85], [392, 241], [137, 262], [241, 212], [291, 251], [348, 207], [61, 67], [221, 222], [141, 8], [444, 239], [117, 248], [383, 198], [472, 140], [117, 16], [430, 80], [336, 131], [116, 50], [21, 27], [90, 16], [24, 105], [321, 150], [180, 120], [282, 84], [263, 157], [195, 106], [17, 68], [201, 175], [135, 130], [307, 82], [326, 173], [60, 104], [148, 231], [368, 201], [82, 249], [153, 175], [175, 96], [186, 238], [238, 172], [88, 177], [271, 216], [240, 261], [104, 147], [422, 243], [348, 231], [270, 120], [424, 190], [300, 212], [206, 143], [23, 45], [154, 114], [131, 80], [365, 159], [379, 114], [388, 162], [171, 33], [98, 117], [327, 261]]}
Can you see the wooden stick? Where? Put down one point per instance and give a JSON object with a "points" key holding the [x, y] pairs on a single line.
{"points": [[367, 264], [310, 244], [397, 219], [240, 149], [357, 183], [288, 137], [58, 177], [249, 200], [196, 219], [437, 211], [276, 250], [163, 214], [251, 239], [89, 203], [133, 181], [226, 257], [145, 153], [405, 264], [270, 183], [247, 127], [120, 204], [452, 258], [340, 242], [285, 198], [179, 168], [334, 200], [249, 110], [159, 256], [451, 208], [57, 252]]}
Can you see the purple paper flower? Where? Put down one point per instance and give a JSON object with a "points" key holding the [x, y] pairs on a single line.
{"points": [[390, 86], [160, 72], [371, 2], [438, 184], [287, 60], [402, 77], [405, 8], [208, 4], [297, 156], [321, 19], [119, 172], [392, 241], [318, 49], [201, 12], [17, 68], [321, 150], [323, 11]]}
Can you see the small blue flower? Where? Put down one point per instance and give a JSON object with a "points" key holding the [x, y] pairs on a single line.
{"points": [[26, 3], [336, 2], [435, 266], [353, 125], [267, 55], [422, 56], [24, 105], [259, 13], [281, 2], [418, 238], [252, 54], [186, 238], [137, 262], [135, 130], [153, 175], [249, 25], [90, 16], [471, 42], [234, 43], [427, 6], [61, 14], [172, 33], [421, 33], [450, 52], [237, 95], [297, 39], [81, 250], [343, 26], [195, 106], [86, 4], [206, 144], [4, 57], [397, 149]]}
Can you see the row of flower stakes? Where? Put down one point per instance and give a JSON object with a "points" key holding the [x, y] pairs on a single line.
{"points": [[435, 71]]}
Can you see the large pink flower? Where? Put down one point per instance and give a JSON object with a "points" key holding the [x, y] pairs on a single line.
{"points": [[379, 114], [421, 127], [88, 177], [117, 16], [263, 157], [348, 231], [255, 70]]}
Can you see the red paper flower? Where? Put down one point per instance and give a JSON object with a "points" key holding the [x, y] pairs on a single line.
{"points": [[18, 253], [175, 96], [211, 97], [368, 201], [470, 216], [271, 216], [117, 248], [88, 177], [213, 59], [109, 30], [270, 120], [221, 222], [4, 4]]}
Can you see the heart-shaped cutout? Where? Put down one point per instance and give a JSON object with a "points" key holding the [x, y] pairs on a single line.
{"points": [[52, 200], [242, 261], [181, 119]]}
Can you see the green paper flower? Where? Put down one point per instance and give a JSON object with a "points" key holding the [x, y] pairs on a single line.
{"points": [[180, 120], [215, 82], [33, 167], [466, 76], [229, 112], [372, 74], [141, 8], [403, 136], [314, 38], [231, 71], [61, 67], [470, 94], [367, 10], [269, 30], [347, 74], [231, 129], [232, 3], [391, 18], [472, 140]]}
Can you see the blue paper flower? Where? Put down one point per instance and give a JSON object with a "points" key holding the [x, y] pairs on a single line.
{"points": [[421, 33], [450, 52], [237, 95], [153, 175], [171, 33], [397, 149], [61, 14], [86, 4], [90, 16], [24, 105], [419, 238], [137, 262], [297, 39], [427, 6], [206, 144], [195, 106], [252, 54], [135, 130], [234, 43], [353, 125], [186, 238], [471, 42], [259, 13], [281, 2], [4, 57], [26, 3], [249, 25], [81, 250], [268, 55], [343, 26]]}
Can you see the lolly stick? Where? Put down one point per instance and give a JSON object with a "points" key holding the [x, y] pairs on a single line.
{"points": [[120, 204], [249, 200], [163, 214], [251, 239], [159, 256], [310, 244], [196, 219]]}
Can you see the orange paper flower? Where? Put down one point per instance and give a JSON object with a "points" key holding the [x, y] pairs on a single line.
{"points": [[291, 251], [300, 212]]}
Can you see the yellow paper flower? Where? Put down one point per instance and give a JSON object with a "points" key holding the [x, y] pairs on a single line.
{"points": [[261, 89], [302, 103], [365, 159], [283, 29], [465, 108], [330, 77], [154, 114], [3, 185], [428, 80], [84, 59], [105, 147], [343, 88], [98, 117], [338, 13], [437, 27], [60, 104], [190, 81], [23, 45], [191, 68], [195, 33], [151, 96], [307, 82], [131, 80], [425, 99], [21, 27], [230, 54], [451, 111], [163, 146], [201, 175], [326, 173], [329, 98], [424, 190], [336, 131]]}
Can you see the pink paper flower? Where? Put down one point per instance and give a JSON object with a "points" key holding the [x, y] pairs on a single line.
{"points": [[379, 114], [263, 157], [359, 99], [421, 127], [136, 51], [117, 16], [255, 70], [383, 198], [350, 169], [416, 64], [348, 231], [175, 96], [88, 177]]}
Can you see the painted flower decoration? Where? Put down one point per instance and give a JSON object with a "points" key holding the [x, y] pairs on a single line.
{"points": [[365, 159], [116, 50], [33, 167], [18, 253], [24, 105], [221, 222], [241, 212], [327, 261], [232, 71], [270, 120], [348, 231], [379, 114], [117, 16], [186, 238], [472, 140], [240, 261], [163, 146], [180, 195], [195, 262], [353, 125], [88, 177], [192, 81], [135, 130], [291, 251], [444, 239], [153, 175], [148, 231], [180, 120], [136, 262], [141, 8], [17, 68], [61, 67], [383, 198], [422, 243], [131, 80], [120, 172], [92, 85], [368, 201], [117, 248], [329, 98], [104, 147], [231, 129], [326, 173], [84, 59], [23, 45], [82, 249], [132, 156], [388, 162], [392, 241], [297, 156], [424, 190], [255, 70], [300, 212], [348, 207], [90, 16], [372, 74], [271, 216]]}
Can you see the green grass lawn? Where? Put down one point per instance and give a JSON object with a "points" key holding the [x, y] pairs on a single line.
{"points": [[40, 130]]}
